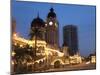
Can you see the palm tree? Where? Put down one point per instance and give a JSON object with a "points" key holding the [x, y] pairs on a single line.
{"points": [[37, 26], [35, 34]]}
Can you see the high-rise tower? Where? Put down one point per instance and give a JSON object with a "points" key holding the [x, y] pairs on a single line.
{"points": [[70, 37]]}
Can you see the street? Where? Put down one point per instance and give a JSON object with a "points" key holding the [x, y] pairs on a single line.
{"points": [[82, 66]]}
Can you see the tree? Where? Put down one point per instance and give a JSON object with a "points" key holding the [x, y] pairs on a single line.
{"points": [[37, 27], [35, 34]]}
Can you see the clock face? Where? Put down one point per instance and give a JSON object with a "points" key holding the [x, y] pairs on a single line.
{"points": [[50, 23]]}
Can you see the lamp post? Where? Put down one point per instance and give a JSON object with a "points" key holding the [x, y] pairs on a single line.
{"points": [[12, 62]]}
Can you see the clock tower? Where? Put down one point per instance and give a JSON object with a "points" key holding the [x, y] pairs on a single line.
{"points": [[52, 32]]}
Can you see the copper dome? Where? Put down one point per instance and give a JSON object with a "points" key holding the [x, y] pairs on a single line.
{"points": [[37, 22], [51, 13]]}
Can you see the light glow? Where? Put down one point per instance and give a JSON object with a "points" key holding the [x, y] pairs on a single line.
{"points": [[50, 23], [13, 53]]}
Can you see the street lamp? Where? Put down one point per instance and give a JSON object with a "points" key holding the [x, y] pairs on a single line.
{"points": [[13, 53], [12, 62]]}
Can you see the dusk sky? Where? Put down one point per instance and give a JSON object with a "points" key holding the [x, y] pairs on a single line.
{"points": [[83, 16]]}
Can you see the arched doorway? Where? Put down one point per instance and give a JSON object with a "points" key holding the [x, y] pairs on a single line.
{"points": [[57, 64]]}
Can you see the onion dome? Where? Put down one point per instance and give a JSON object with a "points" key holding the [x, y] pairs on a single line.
{"points": [[51, 13], [37, 22]]}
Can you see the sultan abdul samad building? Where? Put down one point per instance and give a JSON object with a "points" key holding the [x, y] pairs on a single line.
{"points": [[41, 51]]}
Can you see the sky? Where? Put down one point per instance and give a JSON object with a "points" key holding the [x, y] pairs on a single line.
{"points": [[82, 16]]}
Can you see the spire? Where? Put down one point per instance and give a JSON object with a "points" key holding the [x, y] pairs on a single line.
{"points": [[51, 13], [51, 9]]}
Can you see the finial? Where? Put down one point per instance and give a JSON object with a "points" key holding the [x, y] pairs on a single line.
{"points": [[51, 9]]}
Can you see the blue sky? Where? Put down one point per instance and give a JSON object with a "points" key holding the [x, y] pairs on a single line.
{"points": [[84, 17]]}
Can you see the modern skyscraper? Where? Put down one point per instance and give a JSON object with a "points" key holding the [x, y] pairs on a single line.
{"points": [[70, 38], [52, 32]]}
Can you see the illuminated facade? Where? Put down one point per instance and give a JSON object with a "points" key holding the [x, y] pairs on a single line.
{"points": [[65, 50], [93, 59], [76, 59], [50, 55]]}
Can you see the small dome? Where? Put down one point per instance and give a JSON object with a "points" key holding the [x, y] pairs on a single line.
{"points": [[38, 22], [51, 13]]}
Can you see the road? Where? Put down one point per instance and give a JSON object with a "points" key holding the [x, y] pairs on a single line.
{"points": [[82, 66]]}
